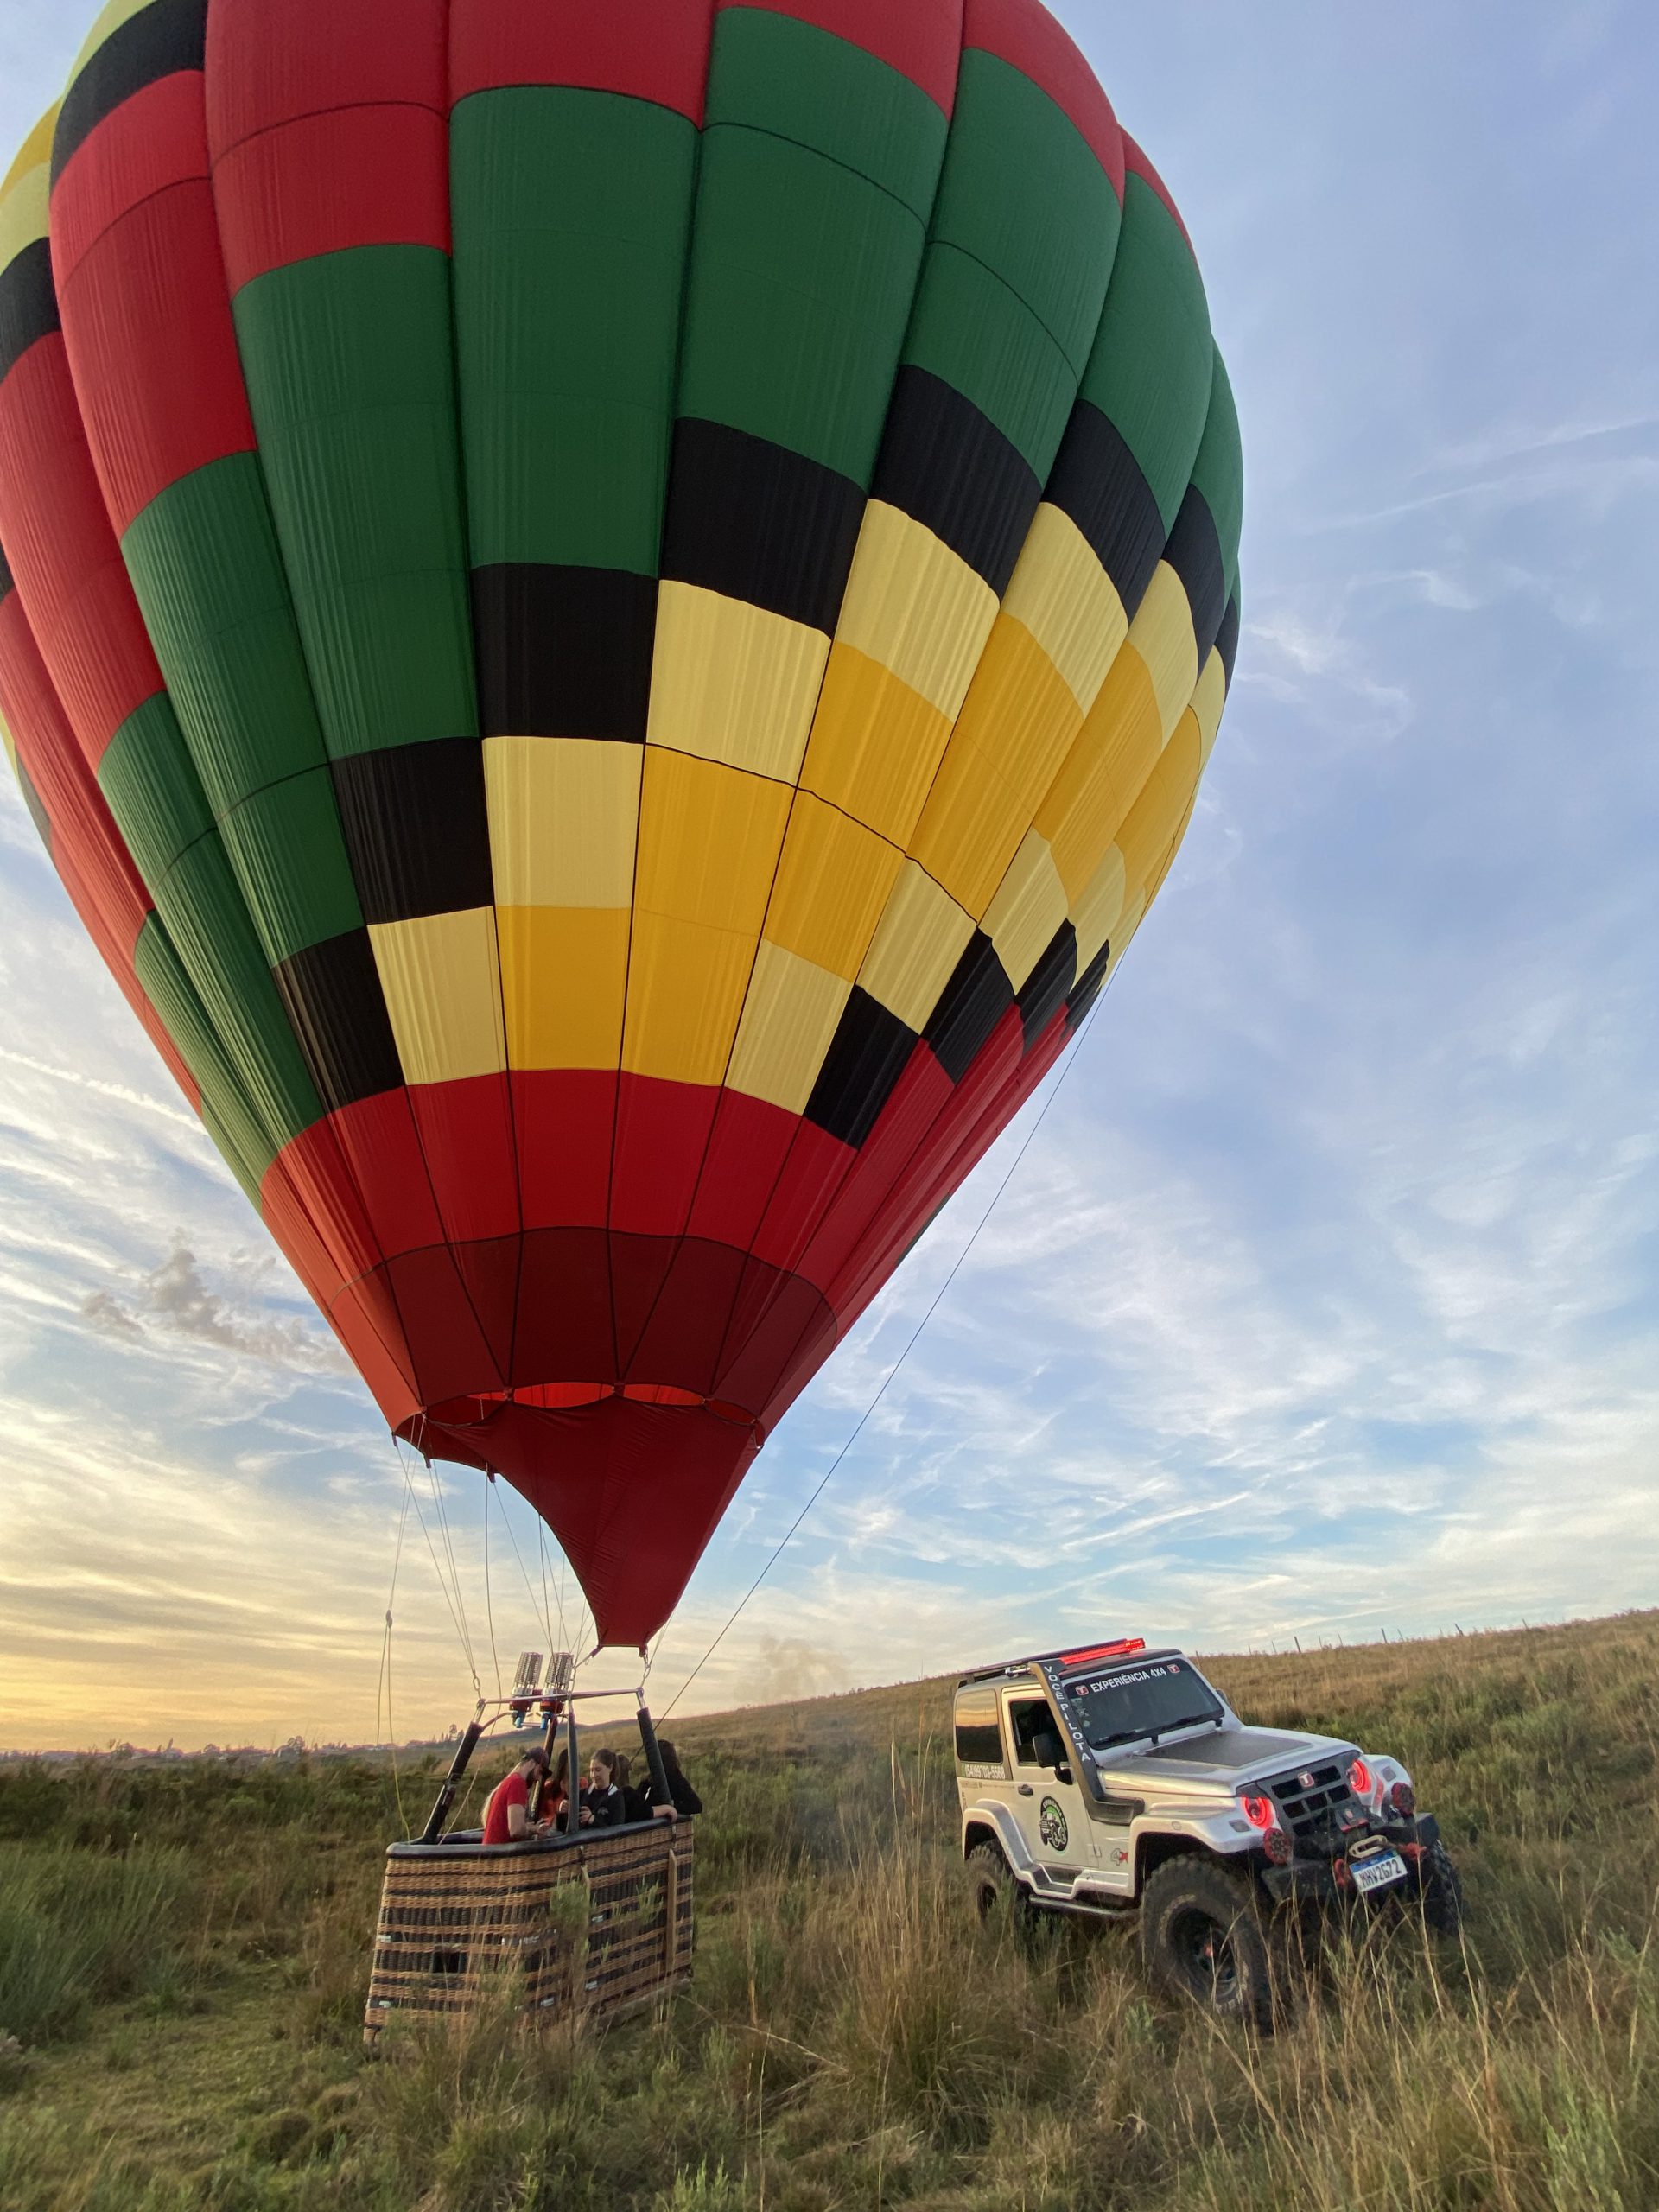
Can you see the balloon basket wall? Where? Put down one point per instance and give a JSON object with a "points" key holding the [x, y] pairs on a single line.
{"points": [[584, 1927]]}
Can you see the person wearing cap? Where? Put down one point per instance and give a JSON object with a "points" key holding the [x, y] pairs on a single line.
{"points": [[507, 1816]]}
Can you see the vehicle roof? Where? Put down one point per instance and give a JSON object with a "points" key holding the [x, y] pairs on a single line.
{"points": [[1076, 1659]]}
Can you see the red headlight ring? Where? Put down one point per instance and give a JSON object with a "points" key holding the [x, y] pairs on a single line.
{"points": [[1258, 1811], [1359, 1778]]}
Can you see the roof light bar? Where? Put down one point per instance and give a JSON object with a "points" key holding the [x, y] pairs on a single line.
{"points": [[1104, 1651]]}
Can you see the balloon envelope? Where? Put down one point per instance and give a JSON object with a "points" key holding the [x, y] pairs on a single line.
{"points": [[612, 612]]}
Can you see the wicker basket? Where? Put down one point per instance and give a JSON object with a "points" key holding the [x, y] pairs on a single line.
{"points": [[587, 1925]]}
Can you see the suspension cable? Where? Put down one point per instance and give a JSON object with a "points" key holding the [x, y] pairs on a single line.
{"points": [[442, 1513], [1030, 1136], [384, 1686], [539, 1611], [489, 1606], [552, 1592], [456, 1618]]}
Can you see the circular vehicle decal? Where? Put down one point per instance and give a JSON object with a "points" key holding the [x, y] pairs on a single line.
{"points": [[1050, 1821]]}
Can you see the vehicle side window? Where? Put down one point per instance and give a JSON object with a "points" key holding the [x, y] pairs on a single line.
{"points": [[1029, 1718], [979, 1740]]}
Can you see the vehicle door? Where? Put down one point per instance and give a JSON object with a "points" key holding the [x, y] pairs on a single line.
{"points": [[1046, 1801]]}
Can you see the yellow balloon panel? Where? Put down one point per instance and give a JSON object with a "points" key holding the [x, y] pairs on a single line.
{"points": [[734, 683], [710, 837], [442, 987], [1029, 908], [789, 1021], [1018, 723], [915, 606], [921, 936], [1120, 738], [1068, 602], [564, 981], [1162, 634], [875, 744], [563, 816], [834, 880]]}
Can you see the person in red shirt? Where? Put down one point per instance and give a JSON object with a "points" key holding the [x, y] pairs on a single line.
{"points": [[507, 1816]]}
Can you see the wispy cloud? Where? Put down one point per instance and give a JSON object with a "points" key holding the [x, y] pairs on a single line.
{"points": [[123, 1093], [174, 1300], [1526, 444]]}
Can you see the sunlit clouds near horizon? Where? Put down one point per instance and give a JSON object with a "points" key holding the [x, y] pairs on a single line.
{"points": [[1324, 1301]]}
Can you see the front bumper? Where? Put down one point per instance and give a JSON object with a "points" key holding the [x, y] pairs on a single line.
{"points": [[1316, 1878]]}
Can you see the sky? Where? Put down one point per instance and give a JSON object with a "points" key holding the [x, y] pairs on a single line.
{"points": [[1324, 1300]]}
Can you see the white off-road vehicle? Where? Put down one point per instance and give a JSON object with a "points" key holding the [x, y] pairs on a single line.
{"points": [[1112, 1780]]}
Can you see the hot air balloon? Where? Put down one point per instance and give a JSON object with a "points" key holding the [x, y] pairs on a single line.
{"points": [[611, 611]]}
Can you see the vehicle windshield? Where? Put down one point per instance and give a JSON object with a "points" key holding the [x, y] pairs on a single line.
{"points": [[1135, 1702]]}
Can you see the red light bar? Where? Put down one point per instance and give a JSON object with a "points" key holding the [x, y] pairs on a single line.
{"points": [[1103, 1651]]}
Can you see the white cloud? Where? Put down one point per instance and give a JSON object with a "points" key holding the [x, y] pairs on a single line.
{"points": [[174, 1300], [1302, 646]]}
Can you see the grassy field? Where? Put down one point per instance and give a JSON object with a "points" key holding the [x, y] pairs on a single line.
{"points": [[183, 1955]]}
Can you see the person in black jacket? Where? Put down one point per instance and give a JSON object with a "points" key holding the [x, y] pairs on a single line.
{"points": [[602, 1798], [683, 1799], [636, 1804]]}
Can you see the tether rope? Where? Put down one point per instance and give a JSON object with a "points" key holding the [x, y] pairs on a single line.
{"points": [[1070, 1063]]}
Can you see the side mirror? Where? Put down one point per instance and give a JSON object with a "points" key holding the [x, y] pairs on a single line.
{"points": [[1050, 1751]]}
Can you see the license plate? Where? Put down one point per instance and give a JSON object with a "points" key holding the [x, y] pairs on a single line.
{"points": [[1377, 1872]]}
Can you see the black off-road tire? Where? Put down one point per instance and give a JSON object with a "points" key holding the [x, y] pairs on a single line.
{"points": [[999, 1900], [1439, 1890], [1204, 1938]]}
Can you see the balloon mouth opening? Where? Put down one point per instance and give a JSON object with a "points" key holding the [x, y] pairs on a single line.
{"points": [[478, 1407]]}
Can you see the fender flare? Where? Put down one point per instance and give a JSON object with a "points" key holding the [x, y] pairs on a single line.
{"points": [[998, 1818]]}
